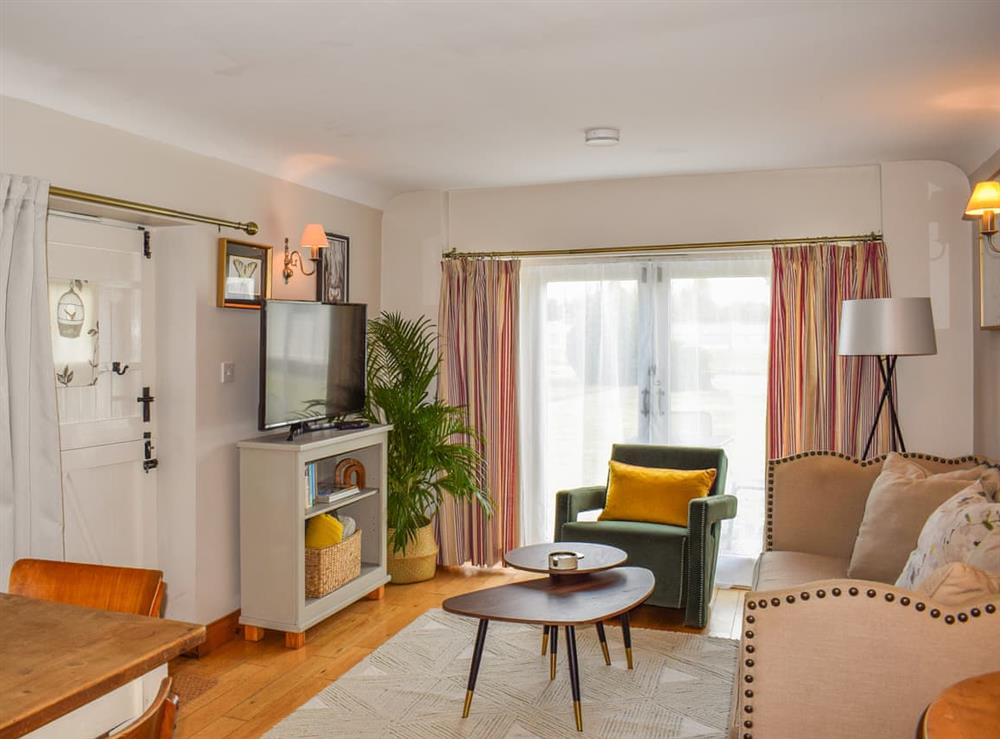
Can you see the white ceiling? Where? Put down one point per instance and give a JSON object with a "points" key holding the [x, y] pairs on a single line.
{"points": [[366, 100]]}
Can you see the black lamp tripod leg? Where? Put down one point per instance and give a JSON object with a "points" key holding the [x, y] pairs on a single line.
{"points": [[889, 374], [878, 413]]}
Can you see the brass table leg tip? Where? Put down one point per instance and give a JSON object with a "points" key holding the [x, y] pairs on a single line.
{"points": [[578, 714], [628, 657], [545, 644], [468, 704], [552, 667], [607, 655]]}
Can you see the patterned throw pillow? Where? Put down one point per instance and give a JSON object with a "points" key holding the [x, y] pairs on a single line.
{"points": [[965, 528]]}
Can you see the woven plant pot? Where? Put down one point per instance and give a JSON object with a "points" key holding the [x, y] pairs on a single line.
{"points": [[417, 561]]}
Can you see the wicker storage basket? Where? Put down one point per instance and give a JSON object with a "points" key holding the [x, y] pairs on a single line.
{"points": [[327, 569]]}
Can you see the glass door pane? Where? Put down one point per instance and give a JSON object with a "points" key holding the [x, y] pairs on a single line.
{"points": [[581, 379], [710, 380]]}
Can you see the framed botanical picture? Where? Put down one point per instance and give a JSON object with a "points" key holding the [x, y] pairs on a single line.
{"points": [[244, 274], [335, 261]]}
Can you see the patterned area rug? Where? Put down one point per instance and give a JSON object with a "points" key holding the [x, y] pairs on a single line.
{"points": [[413, 687]]}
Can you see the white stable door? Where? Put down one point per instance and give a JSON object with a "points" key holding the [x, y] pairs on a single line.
{"points": [[100, 298]]}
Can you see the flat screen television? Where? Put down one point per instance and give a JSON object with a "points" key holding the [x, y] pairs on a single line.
{"points": [[312, 362]]}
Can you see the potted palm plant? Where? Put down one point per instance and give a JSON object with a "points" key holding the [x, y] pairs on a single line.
{"points": [[431, 450]]}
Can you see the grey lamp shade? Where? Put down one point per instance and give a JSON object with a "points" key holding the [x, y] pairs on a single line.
{"points": [[887, 327]]}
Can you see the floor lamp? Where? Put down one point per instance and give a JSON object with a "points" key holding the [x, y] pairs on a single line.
{"points": [[887, 328]]}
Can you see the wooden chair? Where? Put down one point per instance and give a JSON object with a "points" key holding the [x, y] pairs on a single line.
{"points": [[121, 589], [158, 721]]}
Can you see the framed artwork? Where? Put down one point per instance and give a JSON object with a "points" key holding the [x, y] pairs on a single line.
{"points": [[989, 286], [335, 262], [244, 274]]}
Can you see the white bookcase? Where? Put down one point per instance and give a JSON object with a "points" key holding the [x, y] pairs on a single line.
{"points": [[272, 528]]}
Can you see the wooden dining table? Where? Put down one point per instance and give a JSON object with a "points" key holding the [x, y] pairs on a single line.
{"points": [[55, 658]]}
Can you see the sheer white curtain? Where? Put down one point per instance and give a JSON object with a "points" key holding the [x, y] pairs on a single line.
{"points": [[30, 487], [662, 351]]}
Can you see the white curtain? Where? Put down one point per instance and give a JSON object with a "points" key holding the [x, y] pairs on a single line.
{"points": [[662, 351], [30, 488]]}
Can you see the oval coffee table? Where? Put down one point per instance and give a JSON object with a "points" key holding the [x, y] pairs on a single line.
{"points": [[553, 602], [593, 558]]}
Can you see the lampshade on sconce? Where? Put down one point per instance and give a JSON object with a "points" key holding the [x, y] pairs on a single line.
{"points": [[887, 328], [314, 237], [984, 204]]}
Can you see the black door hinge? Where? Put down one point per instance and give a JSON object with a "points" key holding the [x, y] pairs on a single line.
{"points": [[147, 250]]}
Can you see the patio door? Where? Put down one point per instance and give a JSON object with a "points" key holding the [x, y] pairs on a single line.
{"points": [[659, 351]]}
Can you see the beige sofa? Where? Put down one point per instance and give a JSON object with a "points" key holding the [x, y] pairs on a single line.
{"points": [[826, 657]]}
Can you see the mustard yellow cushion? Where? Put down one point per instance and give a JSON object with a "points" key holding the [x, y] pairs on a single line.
{"points": [[653, 494], [323, 531]]}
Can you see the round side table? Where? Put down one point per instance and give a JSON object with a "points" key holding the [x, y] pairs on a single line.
{"points": [[969, 709]]}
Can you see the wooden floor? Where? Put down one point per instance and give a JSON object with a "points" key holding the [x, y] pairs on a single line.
{"points": [[244, 688]]}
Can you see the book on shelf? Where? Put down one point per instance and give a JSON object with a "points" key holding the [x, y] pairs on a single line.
{"points": [[332, 494], [310, 484]]}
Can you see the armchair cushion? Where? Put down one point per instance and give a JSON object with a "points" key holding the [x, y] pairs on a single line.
{"points": [[650, 545], [653, 494]]}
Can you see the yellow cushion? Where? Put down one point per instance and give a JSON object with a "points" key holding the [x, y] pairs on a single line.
{"points": [[323, 531], [652, 494]]}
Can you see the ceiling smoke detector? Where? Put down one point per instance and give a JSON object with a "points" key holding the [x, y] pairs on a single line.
{"points": [[601, 136]]}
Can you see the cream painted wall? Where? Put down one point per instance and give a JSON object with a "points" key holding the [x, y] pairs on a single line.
{"points": [[929, 252], [200, 419], [913, 202]]}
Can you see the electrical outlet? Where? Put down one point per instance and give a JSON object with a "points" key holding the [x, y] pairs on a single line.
{"points": [[227, 372]]}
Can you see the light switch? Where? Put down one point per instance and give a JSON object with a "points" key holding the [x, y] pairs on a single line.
{"points": [[227, 372]]}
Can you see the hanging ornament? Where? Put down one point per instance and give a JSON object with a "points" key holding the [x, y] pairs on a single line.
{"points": [[69, 312]]}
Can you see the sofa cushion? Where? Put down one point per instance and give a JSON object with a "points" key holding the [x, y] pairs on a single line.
{"points": [[657, 547], [653, 494], [966, 528], [900, 501], [777, 570], [957, 583]]}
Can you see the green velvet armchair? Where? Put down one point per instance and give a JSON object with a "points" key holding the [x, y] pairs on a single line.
{"points": [[682, 559]]}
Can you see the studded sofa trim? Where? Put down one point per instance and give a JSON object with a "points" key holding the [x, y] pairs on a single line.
{"points": [[773, 463]]}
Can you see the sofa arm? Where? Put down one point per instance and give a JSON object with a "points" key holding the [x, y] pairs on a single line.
{"points": [[570, 503], [841, 659]]}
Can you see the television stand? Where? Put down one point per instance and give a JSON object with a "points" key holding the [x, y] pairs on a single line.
{"points": [[273, 519]]}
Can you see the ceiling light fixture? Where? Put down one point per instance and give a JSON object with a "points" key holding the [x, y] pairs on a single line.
{"points": [[601, 136]]}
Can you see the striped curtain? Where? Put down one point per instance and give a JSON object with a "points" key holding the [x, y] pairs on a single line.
{"points": [[817, 400], [478, 322]]}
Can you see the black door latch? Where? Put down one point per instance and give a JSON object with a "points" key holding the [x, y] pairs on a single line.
{"points": [[149, 462]]}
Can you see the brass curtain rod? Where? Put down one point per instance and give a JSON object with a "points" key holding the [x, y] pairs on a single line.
{"points": [[653, 248], [86, 197]]}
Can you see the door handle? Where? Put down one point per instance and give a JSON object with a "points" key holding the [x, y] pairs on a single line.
{"points": [[118, 369], [145, 399], [645, 402]]}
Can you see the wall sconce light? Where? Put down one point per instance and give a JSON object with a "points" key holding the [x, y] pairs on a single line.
{"points": [[985, 204], [313, 236]]}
